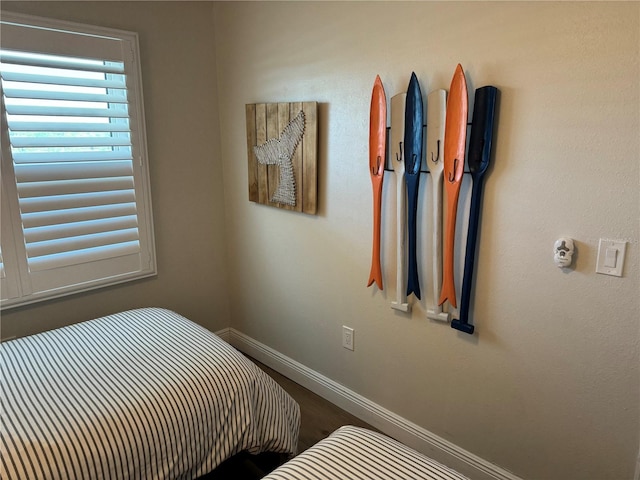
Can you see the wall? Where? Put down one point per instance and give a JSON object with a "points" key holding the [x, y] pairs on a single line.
{"points": [[548, 387], [186, 175]]}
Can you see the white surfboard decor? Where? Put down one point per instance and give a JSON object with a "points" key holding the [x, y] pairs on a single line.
{"points": [[397, 159], [436, 116]]}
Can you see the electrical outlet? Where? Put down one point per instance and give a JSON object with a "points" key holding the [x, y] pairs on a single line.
{"points": [[347, 337]]}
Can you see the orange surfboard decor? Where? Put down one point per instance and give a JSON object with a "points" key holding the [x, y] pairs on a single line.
{"points": [[377, 154], [455, 135]]}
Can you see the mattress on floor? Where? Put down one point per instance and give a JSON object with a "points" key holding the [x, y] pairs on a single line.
{"points": [[144, 394], [356, 453]]}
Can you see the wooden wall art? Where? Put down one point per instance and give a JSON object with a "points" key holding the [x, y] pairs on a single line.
{"points": [[413, 120], [282, 145], [446, 132], [377, 154], [455, 141], [478, 159]]}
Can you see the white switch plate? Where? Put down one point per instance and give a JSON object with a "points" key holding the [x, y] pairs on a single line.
{"points": [[347, 337], [609, 252]]}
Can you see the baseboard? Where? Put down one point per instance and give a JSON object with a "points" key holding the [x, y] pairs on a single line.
{"points": [[386, 421], [224, 334]]}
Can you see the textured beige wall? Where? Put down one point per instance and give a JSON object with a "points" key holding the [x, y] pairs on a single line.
{"points": [[178, 72], [548, 388]]}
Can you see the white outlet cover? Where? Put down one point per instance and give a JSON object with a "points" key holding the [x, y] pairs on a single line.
{"points": [[347, 337], [608, 250]]}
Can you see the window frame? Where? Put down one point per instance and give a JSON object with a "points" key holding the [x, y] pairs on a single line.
{"points": [[75, 39]]}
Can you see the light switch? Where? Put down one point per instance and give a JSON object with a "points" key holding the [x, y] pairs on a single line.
{"points": [[611, 257]]}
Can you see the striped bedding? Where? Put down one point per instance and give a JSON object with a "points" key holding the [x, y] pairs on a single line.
{"points": [[144, 394], [356, 453]]}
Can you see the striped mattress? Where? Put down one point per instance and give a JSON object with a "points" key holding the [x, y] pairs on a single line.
{"points": [[144, 394], [356, 453]]}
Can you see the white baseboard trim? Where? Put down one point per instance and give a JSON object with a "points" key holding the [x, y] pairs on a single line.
{"points": [[224, 334], [379, 417]]}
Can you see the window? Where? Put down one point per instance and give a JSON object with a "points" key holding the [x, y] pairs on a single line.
{"points": [[76, 204]]}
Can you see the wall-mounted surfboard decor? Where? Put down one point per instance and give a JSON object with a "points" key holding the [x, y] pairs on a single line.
{"points": [[443, 168], [377, 154], [436, 115], [478, 160], [413, 125], [455, 135], [396, 151], [282, 146]]}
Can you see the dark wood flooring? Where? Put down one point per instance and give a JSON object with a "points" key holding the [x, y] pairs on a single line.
{"points": [[318, 418]]}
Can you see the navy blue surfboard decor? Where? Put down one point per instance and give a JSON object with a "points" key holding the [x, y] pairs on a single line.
{"points": [[413, 123], [478, 160]]}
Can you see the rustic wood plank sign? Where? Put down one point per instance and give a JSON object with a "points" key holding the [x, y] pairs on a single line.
{"points": [[282, 145]]}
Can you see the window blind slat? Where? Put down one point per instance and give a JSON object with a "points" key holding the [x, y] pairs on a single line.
{"points": [[122, 140], [60, 171], [60, 80], [43, 189], [72, 215], [68, 244], [21, 126], [77, 200], [71, 63], [50, 232], [65, 95], [83, 256], [51, 111], [87, 156]]}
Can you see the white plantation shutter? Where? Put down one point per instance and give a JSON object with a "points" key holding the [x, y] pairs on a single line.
{"points": [[73, 159], [9, 281]]}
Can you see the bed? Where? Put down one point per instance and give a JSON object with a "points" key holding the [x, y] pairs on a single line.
{"points": [[144, 394], [360, 454]]}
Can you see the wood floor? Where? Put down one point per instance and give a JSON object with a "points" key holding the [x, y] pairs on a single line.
{"points": [[318, 418]]}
